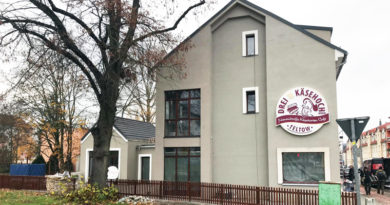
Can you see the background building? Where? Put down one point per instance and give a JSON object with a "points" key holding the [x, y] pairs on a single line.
{"points": [[374, 143]]}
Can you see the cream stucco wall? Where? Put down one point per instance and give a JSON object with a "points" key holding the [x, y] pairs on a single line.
{"points": [[198, 70], [239, 140], [117, 142], [296, 60], [242, 148]]}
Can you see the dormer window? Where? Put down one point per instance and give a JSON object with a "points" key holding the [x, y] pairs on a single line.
{"points": [[250, 46]]}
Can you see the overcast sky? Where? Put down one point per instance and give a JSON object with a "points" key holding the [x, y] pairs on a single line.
{"points": [[361, 27]]}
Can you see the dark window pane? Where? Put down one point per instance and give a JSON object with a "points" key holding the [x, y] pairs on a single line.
{"points": [[195, 151], [182, 169], [113, 159], [195, 169], [195, 127], [195, 93], [251, 101], [90, 163], [145, 166], [170, 110], [182, 151], [182, 128], [250, 45], [303, 167], [170, 95], [183, 94], [169, 169], [195, 108], [170, 128], [183, 109], [169, 151]]}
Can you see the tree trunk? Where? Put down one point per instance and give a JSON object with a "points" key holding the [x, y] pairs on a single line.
{"points": [[103, 131]]}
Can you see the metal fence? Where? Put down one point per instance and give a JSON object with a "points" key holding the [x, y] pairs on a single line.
{"points": [[23, 182], [223, 193]]}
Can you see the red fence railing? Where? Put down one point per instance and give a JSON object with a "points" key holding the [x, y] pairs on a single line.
{"points": [[223, 193], [23, 182]]}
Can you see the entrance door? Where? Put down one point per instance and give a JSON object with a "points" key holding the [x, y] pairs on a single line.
{"points": [[145, 168]]}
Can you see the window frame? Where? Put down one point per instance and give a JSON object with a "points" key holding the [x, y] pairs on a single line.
{"points": [[324, 150], [188, 157], [177, 99], [86, 168], [245, 34], [140, 156], [245, 99]]}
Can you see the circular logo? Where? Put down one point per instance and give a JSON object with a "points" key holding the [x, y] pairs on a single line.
{"points": [[301, 111]]}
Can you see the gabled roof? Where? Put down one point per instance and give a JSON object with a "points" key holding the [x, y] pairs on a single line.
{"points": [[300, 28], [373, 130], [134, 129], [131, 129]]}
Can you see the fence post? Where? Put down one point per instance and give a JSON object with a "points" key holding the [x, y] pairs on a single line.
{"points": [[189, 190], [135, 187], [222, 192], [160, 191], [257, 195]]}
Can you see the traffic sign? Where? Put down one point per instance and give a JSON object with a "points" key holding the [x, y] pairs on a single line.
{"points": [[359, 122]]}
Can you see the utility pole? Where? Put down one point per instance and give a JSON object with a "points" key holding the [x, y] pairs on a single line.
{"points": [[353, 128]]}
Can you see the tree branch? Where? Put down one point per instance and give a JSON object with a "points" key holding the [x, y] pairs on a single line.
{"points": [[101, 44], [61, 30], [56, 48], [170, 28]]}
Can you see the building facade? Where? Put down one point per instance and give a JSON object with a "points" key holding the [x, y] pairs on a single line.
{"points": [[374, 143], [129, 142], [258, 106]]}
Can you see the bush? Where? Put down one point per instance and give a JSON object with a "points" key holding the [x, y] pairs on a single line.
{"points": [[39, 160], [91, 194]]}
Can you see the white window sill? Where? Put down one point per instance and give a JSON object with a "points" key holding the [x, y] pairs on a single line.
{"points": [[311, 185]]}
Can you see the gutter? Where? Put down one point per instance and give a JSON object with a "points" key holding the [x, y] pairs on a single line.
{"points": [[340, 67]]}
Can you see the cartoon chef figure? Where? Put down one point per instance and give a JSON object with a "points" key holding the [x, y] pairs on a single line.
{"points": [[308, 107]]}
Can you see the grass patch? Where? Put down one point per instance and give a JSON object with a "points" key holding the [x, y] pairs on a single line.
{"points": [[13, 197], [16, 197]]}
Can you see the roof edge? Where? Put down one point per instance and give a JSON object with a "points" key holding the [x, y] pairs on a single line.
{"points": [[321, 28], [292, 25]]}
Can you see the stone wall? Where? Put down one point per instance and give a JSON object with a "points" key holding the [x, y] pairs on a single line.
{"points": [[56, 185]]}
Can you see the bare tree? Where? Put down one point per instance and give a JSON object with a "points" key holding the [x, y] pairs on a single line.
{"points": [[50, 92], [139, 95], [100, 37], [15, 134]]}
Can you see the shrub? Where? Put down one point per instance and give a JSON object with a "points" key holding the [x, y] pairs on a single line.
{"points": [[91, 194], [39, 160]]}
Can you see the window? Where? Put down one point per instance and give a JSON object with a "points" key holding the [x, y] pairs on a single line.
{"points": [[250, 45], [251, 103], [182, 113], [306, 165], [144, 167], [303, 167], [182, 164], [250, 100], [113, 160]]}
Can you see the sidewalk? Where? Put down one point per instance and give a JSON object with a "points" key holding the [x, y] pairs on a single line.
{"points": [[379, 198]]}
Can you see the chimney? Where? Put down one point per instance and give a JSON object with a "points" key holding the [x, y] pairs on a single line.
{"points": [[380, 122]]}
